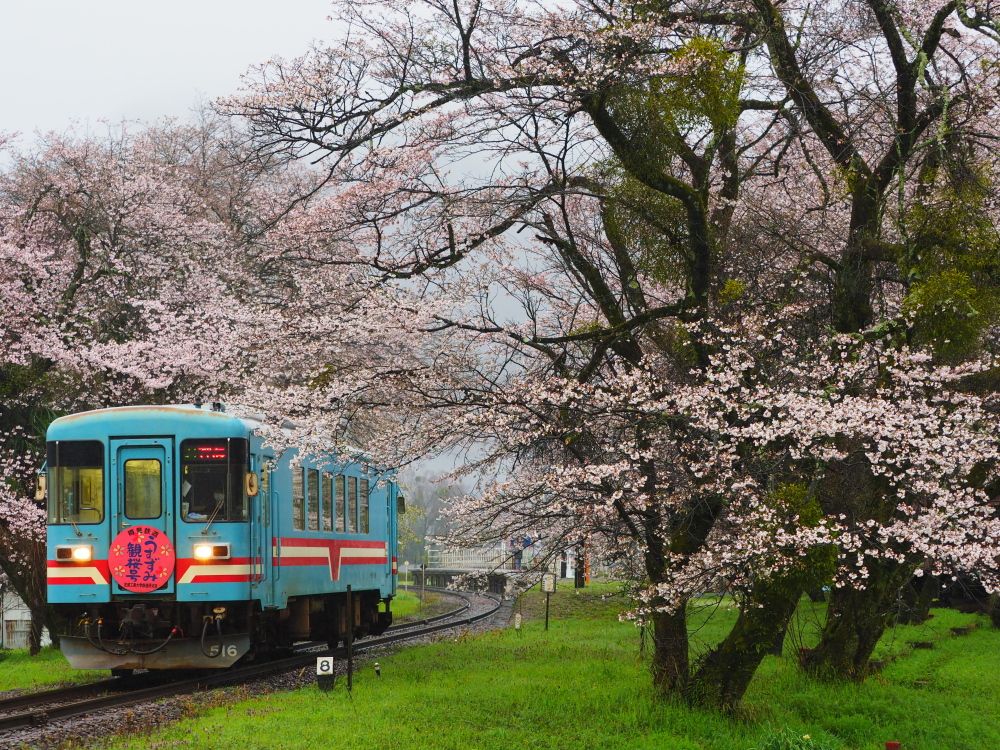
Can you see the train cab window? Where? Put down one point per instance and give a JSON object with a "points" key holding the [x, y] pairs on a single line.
{"points": [[212, 480], [364, 506], [298, 500], [326, 490], [341, 503], [352, 502], [313, 507], [143, 488], [76, 481]]}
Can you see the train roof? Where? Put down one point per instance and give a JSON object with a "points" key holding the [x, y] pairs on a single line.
{"points": [[190, 420], [187, 419]]}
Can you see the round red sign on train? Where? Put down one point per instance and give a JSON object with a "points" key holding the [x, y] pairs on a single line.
{"points": [[141, 559]]}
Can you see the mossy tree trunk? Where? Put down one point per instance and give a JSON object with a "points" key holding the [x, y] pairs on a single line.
{"points": [[778, 646], [724, 674], [856, 617], [915, 599], [55, 625], [670, 652], [855, 621], [35, 630], [994, 606], [817, 595]]}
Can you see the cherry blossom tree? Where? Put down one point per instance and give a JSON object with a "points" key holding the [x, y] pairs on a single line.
{"points": [[22, 529], [929, 70], [119, 284], [652, 266], [545, 230]]}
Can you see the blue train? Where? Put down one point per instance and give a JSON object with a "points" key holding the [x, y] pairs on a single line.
{"points": [[177, 539]]}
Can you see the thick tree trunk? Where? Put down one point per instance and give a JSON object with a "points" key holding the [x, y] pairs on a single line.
{"points": [[670, 652], [915, 600], [855, 621], [724, 674], [994, 606], [55, 625], [778, 646], [817, 595], [852, 310], [856, 617], [35, 630]]}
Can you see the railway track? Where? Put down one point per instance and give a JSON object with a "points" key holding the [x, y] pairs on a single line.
{"points": [[38, 709]]}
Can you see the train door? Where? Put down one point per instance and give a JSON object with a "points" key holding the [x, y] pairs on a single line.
{"points": [[267, 522], [392, 529], [142, 510], [260, 532], [274, 532]]}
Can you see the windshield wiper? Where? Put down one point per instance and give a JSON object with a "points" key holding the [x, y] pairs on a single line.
{"points": [[211, 518]]}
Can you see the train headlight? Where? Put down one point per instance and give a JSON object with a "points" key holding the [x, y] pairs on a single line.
{"points": [[75, 552], [211, 551]]}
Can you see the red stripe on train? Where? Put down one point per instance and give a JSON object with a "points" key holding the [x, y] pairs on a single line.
{"points": [[101, 566], [75, 582], [363, 560]]}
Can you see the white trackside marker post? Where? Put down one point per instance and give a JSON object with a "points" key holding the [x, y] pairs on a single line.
{"points": [[325, 675]]}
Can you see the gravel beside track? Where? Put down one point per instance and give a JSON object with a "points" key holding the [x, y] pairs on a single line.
{"points": [[93, 730]]}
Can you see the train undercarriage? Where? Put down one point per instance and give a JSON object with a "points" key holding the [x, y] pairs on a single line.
{"points": [[166, 634]]}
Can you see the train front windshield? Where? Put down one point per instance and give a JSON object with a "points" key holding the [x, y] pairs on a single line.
{"points": [[76, 481], [212, 473]]}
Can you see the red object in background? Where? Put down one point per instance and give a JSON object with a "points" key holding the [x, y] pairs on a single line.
{"points": [[892, 746]]}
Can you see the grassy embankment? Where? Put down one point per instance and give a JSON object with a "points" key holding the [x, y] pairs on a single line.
{"points": [[584, 685], [406, 605], [48, 669]]}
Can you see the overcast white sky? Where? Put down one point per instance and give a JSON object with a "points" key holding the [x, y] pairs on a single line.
{"points": [[77, 63]]}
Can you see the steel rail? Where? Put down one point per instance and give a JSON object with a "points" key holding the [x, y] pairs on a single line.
{"points": [[55, 695], [427, 620], [224, 678]]}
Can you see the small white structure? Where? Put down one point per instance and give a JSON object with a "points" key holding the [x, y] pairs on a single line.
{"points": [[15, 620]]}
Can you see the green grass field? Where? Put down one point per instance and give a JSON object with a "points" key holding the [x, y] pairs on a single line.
{"points": [[584, 684], [48, 669], [406, 605]]}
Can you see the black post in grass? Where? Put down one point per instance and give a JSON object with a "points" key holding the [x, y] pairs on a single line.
{"points": [[350, 639], [549, 587]]}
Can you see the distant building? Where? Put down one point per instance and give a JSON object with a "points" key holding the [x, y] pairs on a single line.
{"points": [[15, 620]]}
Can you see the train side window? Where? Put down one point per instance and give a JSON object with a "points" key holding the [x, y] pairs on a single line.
{"points": [[313, 507], [364, 506], [326, 490], [352, 501], [143, 495], [298, 499], [341, 503]]}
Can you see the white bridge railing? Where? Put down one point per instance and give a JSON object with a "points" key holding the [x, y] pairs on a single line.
{"points": [[496, 557]]}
